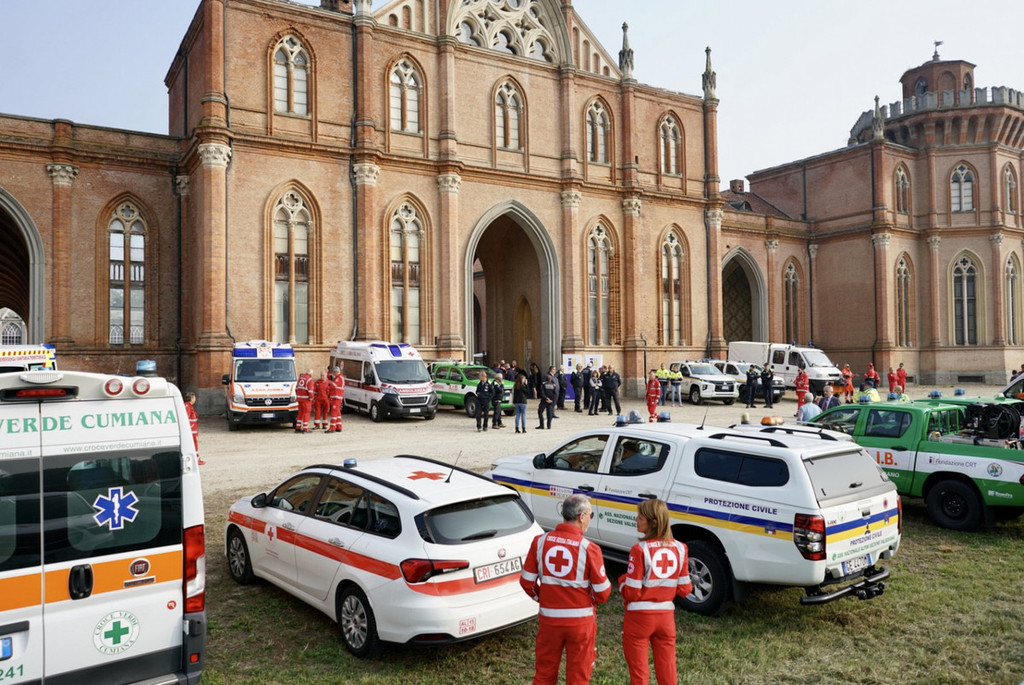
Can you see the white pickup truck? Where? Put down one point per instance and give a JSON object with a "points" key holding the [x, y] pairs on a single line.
{"points": [[780, 505]]}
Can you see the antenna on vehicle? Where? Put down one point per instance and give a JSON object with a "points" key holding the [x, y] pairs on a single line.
{"points": [[704, 420], [449, 478]]}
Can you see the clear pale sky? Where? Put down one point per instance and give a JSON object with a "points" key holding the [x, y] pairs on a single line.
{"points": [[792, 75]]}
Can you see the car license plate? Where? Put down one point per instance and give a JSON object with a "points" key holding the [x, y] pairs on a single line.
{"points": [[501, 568], [858, 564], [414, 410], [267, 414]]}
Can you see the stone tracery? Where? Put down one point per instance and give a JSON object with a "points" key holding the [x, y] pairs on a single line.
{"points": [[516, 27]]}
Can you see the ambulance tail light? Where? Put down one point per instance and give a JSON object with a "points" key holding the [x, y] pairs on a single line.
{"points": [[420, 570], [809, 536], [140, 386], [40, 393], [195, 569], [113, 387]]}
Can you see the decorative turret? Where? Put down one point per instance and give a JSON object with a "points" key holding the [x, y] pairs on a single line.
{"points": [[708, 78], [626, 54], [877, 123]]}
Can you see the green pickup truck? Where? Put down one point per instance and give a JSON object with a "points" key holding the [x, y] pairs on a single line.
{"points": [[455, 385], [965, 457]]}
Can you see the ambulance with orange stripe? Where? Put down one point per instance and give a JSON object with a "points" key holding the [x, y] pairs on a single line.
{"points": [[408, 549], [102, 544], [778, 505], [27, 358]]}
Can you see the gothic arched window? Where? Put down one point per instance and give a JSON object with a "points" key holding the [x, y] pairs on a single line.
{"points": [[1013, 301], [405, 89], [671, 144], [127, 276], [291, 76], [965, 304], [508, 115], [904, 295], [597, 134], [293, 226], [672, 257], [961, 189], [406, 233], [599, 253], [791, 302]]}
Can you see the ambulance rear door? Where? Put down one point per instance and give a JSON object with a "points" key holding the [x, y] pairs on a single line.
{"points": [[21, 579], [112, 540]]}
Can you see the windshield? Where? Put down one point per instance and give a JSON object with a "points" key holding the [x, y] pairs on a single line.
{"points": [[816, 358], [402, 371], [265, 370], [704, 370]]}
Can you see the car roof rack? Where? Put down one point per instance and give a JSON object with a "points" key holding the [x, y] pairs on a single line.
{"points": [[796, 431], [746, 436], [368, 476]]}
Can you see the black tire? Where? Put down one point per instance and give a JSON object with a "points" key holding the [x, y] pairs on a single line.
{"points": [[471, 406], [956, 505], [727, 402], [508, 412], [376, 413], [356, 622], [695, 397], [430, 416], [711, 578], [232, 424], [239, 562]]}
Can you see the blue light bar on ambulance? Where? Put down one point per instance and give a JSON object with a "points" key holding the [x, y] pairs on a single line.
{"points": [[395, 350], [249, 349]]}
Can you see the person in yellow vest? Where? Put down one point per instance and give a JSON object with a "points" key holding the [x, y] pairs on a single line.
{"points": [[663, 376], [676, 387]]}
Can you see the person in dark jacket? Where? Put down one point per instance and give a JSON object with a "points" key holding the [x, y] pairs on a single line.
{"points": [[576, 381], [595, 393], [548, 397], [483, 401], [519, 393], [535, 380], [497, 392], [587, 374], [611, 386], [767, 382], [751, 385]]}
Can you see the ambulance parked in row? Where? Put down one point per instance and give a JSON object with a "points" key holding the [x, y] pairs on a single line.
{"points": [[385, 379], [27, 358], [102, 544], [261, 385]]}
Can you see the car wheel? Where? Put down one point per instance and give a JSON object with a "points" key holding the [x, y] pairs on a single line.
{"points": [[727, 402], [709, 573], [956, 505], [376, 413], [430, 416], [356, 622], [471, 406], [695, 395], [239, 565], [232, 424]]}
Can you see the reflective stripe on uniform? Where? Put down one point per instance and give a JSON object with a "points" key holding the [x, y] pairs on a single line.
{"points": [[567, 613], [650, 606]]}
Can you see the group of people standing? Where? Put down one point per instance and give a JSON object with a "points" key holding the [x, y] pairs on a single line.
{"points": [[565, 573], [319, 400]]}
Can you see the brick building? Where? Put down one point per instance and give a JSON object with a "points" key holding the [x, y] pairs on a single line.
{"points": [[484, 177]]}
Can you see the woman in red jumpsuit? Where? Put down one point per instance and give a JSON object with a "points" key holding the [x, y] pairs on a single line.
{"points": [[658, 572], [653, 395], [802, 384], [848, 379]]}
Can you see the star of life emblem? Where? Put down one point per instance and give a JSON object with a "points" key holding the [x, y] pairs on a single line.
{"points": [[115, 508]]}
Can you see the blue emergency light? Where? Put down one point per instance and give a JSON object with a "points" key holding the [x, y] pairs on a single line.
{"points": [[959, 391], [935, 394], [6, 648]]}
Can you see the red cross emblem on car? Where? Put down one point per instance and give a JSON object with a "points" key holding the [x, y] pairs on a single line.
{"points": [[432, 475]]}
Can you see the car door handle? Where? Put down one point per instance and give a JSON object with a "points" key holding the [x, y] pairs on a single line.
{"points": [[648, 495], [288, 526], [336, 542], [80, 581], [585, 488]]}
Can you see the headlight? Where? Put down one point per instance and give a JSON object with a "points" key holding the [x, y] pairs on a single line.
{"points": [[238, 399], [389, 391]]}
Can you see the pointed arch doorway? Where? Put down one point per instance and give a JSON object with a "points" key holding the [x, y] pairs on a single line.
{"points": [[744, 298], [22, 268], [512, 304]]}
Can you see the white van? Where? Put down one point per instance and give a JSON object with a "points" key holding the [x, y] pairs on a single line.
{"points": [[787, 360], [385, 379], [102, 544], [27, 358], [261, 385]]}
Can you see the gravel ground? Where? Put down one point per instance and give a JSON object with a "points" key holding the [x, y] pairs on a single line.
{"points": [[254, 458]]}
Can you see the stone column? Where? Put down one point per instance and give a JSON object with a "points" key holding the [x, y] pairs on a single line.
{"points": [[567, 90], [774, 305], [62, 176], [573, 278], [998, 315], [188, 316], [713, 226], [213, 342], [447, 139], [451, 271], [376, 300], [883, 288], [634, 275], [934, 287], [812, 253]]}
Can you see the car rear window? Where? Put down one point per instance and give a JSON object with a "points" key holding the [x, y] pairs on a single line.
{"points": [[478, 519], [844, 473]]}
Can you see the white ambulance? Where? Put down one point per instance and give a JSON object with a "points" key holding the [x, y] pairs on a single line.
{"points": [[261, 385], [102, 544], [385, 379], [27, 358]]}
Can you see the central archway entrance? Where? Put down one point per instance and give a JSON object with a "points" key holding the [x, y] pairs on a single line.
{"points": [[513, 307], [744, 299]]}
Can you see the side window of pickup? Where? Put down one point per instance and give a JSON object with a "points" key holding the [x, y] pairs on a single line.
{"points": [[843, 419], [743, 469], [886, 423], [634, 457], [583, 454]]}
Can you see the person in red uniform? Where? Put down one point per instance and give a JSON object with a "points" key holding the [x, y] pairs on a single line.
{"points": [[803, 384], [894, 381], [565, 573], [653, 395], [322, 402], [901, 377], [872, 376], [848, 379], [658, 572], [337, 386], [193, 422], [304, 394]]}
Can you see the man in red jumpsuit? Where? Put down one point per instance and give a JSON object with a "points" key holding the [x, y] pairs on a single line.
{"points": [[322, 402], [803, 384], [303, 392], [901, 377], [894, 381], [565, 573], [658, 572], [193, 422], [872, 376], [653, 395], [337, 396]]}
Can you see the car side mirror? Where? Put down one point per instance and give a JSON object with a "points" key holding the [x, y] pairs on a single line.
{"points": [[259, 501], [540, 461], [225, 379]]}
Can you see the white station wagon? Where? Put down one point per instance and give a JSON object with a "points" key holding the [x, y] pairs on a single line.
{"points": [[407, 550]]}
